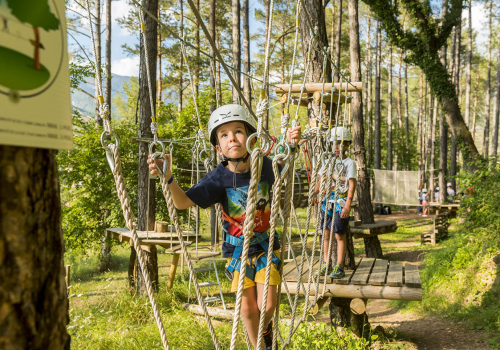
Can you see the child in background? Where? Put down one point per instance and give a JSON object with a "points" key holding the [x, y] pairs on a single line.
{"points": [[342, 208], [229, 128], [424, 201]]}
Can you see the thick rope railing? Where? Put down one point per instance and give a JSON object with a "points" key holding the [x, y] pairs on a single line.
{"points": [[130, 221], [248, 226], [172, 212]]}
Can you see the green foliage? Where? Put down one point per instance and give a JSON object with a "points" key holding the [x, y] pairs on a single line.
{"points": [[321, 336], [78, 74], [88, 194], [460, 281]]}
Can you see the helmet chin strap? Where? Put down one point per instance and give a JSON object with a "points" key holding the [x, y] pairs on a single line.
{"points": [[237, 160]]}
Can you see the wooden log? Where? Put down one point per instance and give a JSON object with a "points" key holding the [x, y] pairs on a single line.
{"points": [[68, 270], [212, 311], [363, 291], [173, 269], [319, 304], [161, 226], [327, 97], [358, 306], [362, 273], [312, 87], [412, 277]]}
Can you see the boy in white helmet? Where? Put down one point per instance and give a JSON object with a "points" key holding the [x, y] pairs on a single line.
{"points": [[436, 194], [346, 175], [229, 128]]}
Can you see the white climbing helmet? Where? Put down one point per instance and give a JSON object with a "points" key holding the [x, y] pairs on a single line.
{"points": [[448, 184], [424, 190], [340, 133], [437, 188], [227, 114]]}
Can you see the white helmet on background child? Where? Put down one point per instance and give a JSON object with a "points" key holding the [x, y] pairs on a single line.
{"points": [[340, 134], [227, 114], [424, 190], [437, 188], [448, 184]]}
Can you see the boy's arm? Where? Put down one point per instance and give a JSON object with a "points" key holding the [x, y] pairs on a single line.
{"points": [[350, 194], [179, 197]]}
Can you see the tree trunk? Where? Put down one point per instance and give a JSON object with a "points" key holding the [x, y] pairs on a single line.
{"points": [[236, 47], [33, 291], [160, 88], [365, 211], [420, 133], [432, 160], [378, 153], [443, 158], [475, 106], [338, 36], [247, 91], [104, 258], [97, 39], [181, 58], [496, 107], [145, 209], [389, 112], [368, 90], [217, 63], [486, 141], [400, 97], [196, 70], [468, 68], [407, 122], [453, 162]]}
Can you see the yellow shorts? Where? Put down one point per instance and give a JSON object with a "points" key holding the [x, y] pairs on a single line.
{"points": [[260, 276]]}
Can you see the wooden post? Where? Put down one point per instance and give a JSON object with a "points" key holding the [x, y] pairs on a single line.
{"points": [[358, 306], [68, 267], [173, 269]]}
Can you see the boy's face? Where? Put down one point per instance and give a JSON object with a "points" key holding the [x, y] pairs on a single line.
{"points": [[232, 140], [337, 146]]}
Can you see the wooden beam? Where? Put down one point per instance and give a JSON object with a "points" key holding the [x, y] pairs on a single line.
{"points": [[173, 269], [312, 87], [363, 291], [358, 306]]}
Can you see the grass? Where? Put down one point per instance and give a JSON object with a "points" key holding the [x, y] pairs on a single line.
{"points": [[105, 315]]}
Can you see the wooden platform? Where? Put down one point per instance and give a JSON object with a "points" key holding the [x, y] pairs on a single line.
{"points": [[438, 207], [369, 230], [372, 279], [166, 240]]}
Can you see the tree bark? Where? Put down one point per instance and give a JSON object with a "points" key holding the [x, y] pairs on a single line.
{"points": [[365, 211], [407, 122], [389, 112], [443, 158], [400, 95], [475, 106], [486, 142], [97, 39], [468, 68], [496, 107], [368, 90], [33, 291], [181, 58], [105, 255], [377, 116], [145, 209], [247, 91], [196, 70], [432, 158], [236, 47], [160, 88], [338, 36], [420, 133]]}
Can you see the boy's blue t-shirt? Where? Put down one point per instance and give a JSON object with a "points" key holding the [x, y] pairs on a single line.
{"points": [[218, 187]]}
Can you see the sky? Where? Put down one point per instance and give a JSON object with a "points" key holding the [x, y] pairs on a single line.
{"points": [[129, 66]]}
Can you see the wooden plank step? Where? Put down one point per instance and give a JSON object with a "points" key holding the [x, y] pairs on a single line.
{"points": [[348, 274], [207, 284], [395, 274], [362, 273], [203, 269], [379, 273], [202, 255], [294, 273], [412, 277]]}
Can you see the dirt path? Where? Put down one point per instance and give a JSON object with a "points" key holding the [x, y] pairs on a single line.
{"points": [[412, 331], [424, 333]]}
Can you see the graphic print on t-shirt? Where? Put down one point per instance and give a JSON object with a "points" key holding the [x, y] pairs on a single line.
{"points": [[237, 201]]}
